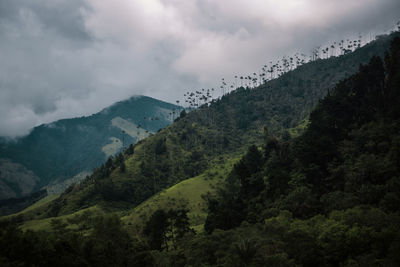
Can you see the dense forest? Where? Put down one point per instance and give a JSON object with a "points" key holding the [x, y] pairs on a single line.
{"points": [[330, 196], [327, 197]]}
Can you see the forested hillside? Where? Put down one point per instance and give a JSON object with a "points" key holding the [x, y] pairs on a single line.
{"points": [[225, 127], [327, 197]]}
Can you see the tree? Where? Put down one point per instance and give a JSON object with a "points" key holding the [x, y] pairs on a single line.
{"points": [[109, 244], [156, 230], [122, 167], [160, 146], [183, 114], [179, 225], [130, 150], [165, 228]]}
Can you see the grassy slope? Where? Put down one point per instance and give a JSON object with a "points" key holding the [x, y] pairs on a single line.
{"points": [[40, 224], [186, 194], [41, 203], [45, 224]]}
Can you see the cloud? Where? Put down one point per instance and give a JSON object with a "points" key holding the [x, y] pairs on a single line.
{"points": [[65, 58]]}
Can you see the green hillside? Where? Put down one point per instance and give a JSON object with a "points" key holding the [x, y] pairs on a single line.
{"points": [[190, 194]]}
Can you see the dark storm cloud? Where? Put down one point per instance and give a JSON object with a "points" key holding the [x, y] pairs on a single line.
{"points": [[64, 58]]}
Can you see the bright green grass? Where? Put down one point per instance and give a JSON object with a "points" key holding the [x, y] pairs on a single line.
{"points": [[45, 224], [187, 193]]}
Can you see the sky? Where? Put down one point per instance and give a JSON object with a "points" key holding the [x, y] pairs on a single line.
{"points": [[69, 58]]}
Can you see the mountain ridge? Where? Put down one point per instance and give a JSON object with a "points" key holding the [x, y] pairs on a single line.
{"points": [[64, 148]]}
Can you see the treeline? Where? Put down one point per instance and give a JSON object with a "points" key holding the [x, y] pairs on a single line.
{"points": [[106, 244], [274, 70]]}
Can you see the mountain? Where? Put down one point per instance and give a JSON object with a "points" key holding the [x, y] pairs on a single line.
{"points": [[225, 128], [55, 152], [327, 197]]}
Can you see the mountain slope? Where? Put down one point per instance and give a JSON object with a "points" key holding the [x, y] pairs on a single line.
{"points": [[327, 198], [62, 149], [229, 125]]}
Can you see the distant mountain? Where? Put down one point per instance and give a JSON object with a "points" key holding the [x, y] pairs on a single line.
{"points": [[55, 152]]}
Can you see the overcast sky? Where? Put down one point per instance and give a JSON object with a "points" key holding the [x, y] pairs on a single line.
{"points": [[67, 58]]}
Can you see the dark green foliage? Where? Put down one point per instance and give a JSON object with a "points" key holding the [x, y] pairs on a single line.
{"points": [[345, 166], [130, 150], [224, 214], [160, 147], [107, 245], [165, 229], [246, 250], [156, 230], [122, 166], [183, 114], [244, 183]]}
